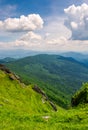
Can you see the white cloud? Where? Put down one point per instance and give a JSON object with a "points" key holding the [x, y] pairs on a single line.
{"points": [[30, 36], [28, 40], [55, 28], [57, 45], [77, 21], [32, 41], [53, 37], [29, 23]]}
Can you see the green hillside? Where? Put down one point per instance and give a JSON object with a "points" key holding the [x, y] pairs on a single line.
{"points": [[13, 93], [21, 108], [58, 76], [17, 98]]}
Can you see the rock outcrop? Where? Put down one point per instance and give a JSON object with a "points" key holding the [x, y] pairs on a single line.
{"points": [[38, 90], [45, 97], [11, 75]]}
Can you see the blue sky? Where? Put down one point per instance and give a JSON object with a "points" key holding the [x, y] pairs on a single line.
{"points": [[42, 7], [44, 25]]}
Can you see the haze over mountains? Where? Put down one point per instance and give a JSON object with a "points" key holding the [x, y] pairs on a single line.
{"points": [[20, 53]]}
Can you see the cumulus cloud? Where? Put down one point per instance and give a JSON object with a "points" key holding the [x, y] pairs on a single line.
{"points": [[30, 36], [28, 40], [24, 23], [32, 41], [52, 37], [77, 21]]}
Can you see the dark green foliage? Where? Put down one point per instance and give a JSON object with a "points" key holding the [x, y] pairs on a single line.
{"points": [[59, 77], [81, 96]]}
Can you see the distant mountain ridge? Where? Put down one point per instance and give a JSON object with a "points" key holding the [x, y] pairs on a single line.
{"points": [[83, 58], [7, 59], [75, 55], [19, 53]]}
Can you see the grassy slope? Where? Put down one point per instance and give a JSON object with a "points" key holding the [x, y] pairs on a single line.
{"points": [[22, 109], [75, 119], [17, 99], [60, 77]]}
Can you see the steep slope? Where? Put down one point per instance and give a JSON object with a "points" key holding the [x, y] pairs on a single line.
{"points": [[16, 97], [60, 77]]}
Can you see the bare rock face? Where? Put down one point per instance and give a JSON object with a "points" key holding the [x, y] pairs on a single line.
{"points": [[38, 90]]}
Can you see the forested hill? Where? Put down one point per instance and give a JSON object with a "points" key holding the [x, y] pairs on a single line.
{"points": [[58, 76]]}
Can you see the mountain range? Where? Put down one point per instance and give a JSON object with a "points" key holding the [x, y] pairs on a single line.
{"points": [[60, 77]]}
